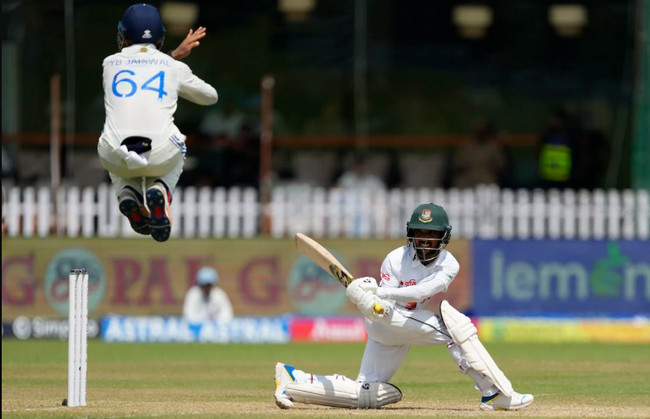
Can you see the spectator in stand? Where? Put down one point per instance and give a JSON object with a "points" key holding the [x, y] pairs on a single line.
{"points": [[8, 164], [480, 159], [206, 300], [223, 121], [235, 142], [592, 159], [358, 176], [205, 164], [329, 120], [556, 153], [243, 158]]}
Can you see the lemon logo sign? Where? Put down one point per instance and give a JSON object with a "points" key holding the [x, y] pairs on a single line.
{"points": [[313, 290], [613, 276], [562, 277], [58, 273], [607, 276]]}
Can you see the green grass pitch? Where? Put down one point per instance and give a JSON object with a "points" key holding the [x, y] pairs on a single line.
{"points": [[206, 380]]}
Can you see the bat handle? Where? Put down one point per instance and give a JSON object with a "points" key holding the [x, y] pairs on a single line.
{"points": [[379, 309]]}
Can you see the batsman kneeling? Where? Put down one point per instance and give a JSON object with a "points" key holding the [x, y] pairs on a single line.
{"points": [[410, 276]]}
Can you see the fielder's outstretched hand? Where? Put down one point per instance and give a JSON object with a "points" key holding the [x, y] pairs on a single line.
{"points": [[190, 42]]}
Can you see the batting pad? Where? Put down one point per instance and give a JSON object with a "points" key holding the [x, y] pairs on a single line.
{"points": [[465, 335], [346, 394]]}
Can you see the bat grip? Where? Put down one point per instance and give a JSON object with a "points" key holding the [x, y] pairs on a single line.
{"points": [[379, 309]]}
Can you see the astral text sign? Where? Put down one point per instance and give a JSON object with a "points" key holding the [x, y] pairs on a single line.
{"points": [[176, 329]]}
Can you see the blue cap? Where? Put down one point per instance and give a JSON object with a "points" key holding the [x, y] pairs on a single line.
{"points": [[207, 275], [142, 24]]}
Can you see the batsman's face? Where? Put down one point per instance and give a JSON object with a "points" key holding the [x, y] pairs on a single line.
{"points": [[427, 244]]}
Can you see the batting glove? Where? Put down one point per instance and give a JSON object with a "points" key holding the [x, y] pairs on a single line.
{"points": [[367, 306], [355, 291], [367, 283]]}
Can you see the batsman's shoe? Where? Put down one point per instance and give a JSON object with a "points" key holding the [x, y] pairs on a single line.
{"points": [[283, 376], [161, 216], [501, 402], [132, 207]]}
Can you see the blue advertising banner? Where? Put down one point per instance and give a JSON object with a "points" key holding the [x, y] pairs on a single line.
{"points": [[116, 328], [561, 277]]}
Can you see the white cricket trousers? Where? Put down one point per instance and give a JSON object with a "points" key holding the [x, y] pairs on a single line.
{"points": [[391, 338], [165, 162]]}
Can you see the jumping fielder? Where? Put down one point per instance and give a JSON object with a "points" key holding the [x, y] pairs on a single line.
{"points": [[410, 276], [140, 146]]}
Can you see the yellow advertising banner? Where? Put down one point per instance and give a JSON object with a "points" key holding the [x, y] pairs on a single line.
{"points": [[141, 277], [544, 330]]}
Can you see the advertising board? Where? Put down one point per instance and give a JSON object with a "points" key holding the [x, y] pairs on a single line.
{"points": [[262, 277], [561, 277]]}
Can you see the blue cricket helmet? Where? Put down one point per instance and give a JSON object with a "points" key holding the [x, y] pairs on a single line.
{"points": [[142, 24]]}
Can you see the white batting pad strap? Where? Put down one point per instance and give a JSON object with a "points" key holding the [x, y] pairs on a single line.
{"points": [[477, 356], [346, 394], [376, 395]]}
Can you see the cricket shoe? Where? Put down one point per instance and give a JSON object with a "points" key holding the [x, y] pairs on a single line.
{"points": [[161, 215], [501, 402], [132, 207], [283, 376]]}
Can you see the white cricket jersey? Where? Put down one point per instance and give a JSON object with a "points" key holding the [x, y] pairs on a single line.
{"points": [[411, 284], [141, 88], [196, 308]]}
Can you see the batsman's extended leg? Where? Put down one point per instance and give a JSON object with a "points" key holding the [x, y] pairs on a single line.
{"points": [[293, 385], [474, 360]]}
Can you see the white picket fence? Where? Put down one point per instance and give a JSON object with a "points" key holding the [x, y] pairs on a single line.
{"points": [[482, 212]]}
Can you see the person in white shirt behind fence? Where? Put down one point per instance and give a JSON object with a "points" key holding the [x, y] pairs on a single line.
{"points": [[410, 276], [140, 145], [359, 177], [206, 300]]}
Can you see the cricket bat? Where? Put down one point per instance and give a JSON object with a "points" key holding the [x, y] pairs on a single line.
{"points": [[323, 258]]}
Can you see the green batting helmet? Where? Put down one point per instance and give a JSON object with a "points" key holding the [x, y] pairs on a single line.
{"points": [[429, 217]]}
